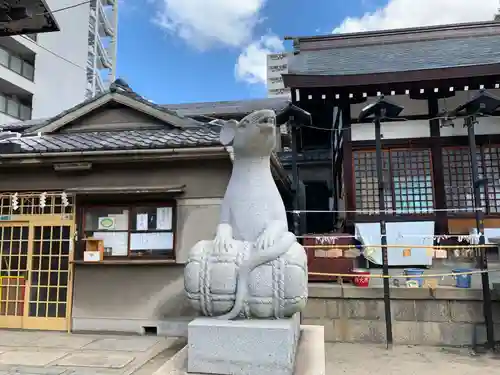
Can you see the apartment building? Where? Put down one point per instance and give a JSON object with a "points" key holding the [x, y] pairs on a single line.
{"points": [[44, 74]]}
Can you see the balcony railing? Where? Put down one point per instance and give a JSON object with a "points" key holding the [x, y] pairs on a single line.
{"points": [[14, 108], [106, 28], [16, 64]]}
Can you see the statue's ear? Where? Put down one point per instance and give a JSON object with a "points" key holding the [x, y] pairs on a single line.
{"points": [[227, 132]]}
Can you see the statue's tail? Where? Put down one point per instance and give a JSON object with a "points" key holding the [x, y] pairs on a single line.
{"points": [[249, 265]]}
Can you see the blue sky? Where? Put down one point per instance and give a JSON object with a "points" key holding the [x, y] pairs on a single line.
{"points": [[176, 51]]}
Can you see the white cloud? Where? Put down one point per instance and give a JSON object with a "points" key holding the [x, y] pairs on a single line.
{"points": [[207, 23], [412, 13], [251, 65]]}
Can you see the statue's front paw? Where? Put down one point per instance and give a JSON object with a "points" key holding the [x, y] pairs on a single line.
{"points": [[267, 239], [223, 244], [224, 241]]}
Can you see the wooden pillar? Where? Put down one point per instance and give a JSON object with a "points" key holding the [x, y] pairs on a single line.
{"points": [[437, 166], [349, 185]]}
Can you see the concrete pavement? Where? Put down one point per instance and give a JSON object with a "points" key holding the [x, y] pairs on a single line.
{"points": [[56, 353]]}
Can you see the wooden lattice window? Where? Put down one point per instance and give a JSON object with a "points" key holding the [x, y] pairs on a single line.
{"points": [[491, 166], [365, 176], [408, 186], [458, 178], [412, 181], [457, 175]]}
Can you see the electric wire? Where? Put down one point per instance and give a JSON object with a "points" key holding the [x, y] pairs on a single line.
{"points": [[64, 8], [331, 237], [391, 211], [424, 276], [54, 53]]}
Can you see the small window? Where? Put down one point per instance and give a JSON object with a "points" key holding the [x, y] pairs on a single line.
{"points": [[4, 57], [12, 108], [151, 231], [3, 104], [25, 112], [109, 224], [134, 232], [16, 64], [28, 71]]}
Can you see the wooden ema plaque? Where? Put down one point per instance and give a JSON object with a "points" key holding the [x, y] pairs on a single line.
{"points": [[329, 259]]}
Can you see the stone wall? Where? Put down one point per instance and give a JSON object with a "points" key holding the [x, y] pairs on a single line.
{"points": [[445, 316]]}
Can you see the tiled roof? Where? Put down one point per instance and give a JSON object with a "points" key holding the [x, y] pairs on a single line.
{"points": [[228, 108], [398, 57], [19, 126], [120, 140]]}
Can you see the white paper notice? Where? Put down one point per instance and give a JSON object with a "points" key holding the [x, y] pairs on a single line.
{"points": [[121, 221], [164, 218], [151, 241], [117, 241], [141, 222]]}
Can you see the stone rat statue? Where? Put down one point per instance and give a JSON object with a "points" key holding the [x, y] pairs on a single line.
{"points": [[253, 232]]}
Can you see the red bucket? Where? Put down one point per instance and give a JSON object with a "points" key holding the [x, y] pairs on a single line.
{"points": [[360, 279]]}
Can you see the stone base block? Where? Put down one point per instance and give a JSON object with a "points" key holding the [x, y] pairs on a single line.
{"points": [[310, 357], [243, 347]]}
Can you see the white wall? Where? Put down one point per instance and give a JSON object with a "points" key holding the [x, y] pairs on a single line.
{"points": [[60, 84], [485, 125], [394, 130], [421, 128]]}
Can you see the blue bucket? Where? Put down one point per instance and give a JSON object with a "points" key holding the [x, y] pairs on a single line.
{"points": [[462, 281], [415, 272]]}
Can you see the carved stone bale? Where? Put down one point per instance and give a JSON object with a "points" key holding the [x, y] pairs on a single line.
{"points": [[275, 290]]}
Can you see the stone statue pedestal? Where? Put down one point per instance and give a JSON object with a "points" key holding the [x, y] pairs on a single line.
{"points": [[249, 347]]}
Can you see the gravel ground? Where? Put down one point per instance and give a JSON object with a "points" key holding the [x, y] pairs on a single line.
{"points": [[364, 359]]}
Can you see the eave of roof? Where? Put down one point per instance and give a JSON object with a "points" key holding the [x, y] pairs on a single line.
{"points": [[20, 126], [400, 31], [42, 19], [91, 190], [420, 78], [117, 141]]}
